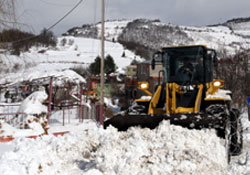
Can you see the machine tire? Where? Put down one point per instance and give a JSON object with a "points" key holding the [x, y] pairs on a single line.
{"points": [[225, 131], [136, 109], [236, 133], [228, 140]]}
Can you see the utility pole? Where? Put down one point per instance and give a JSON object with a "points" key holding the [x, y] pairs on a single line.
{"points": [[101, 118]]}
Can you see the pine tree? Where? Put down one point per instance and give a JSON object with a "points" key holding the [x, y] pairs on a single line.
{"points": [[109, 65], [95, 66]]}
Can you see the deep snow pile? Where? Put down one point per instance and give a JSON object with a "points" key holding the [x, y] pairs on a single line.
{"points": [[33, 117], [33, 104], [165, 150]]}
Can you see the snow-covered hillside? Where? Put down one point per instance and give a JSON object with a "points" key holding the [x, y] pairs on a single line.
{"points": [[240, 26], [112, 30], [75, 52], [153, 34]]}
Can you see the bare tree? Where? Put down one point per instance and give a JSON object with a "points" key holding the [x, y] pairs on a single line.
{"points": [[235, 70], [7, 13]]}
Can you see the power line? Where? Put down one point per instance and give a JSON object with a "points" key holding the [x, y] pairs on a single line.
{"points": [[55, 4], [52, 26], [66, 15]]}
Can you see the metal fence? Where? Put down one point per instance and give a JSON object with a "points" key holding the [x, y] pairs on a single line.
{"points": [[60, 117]]}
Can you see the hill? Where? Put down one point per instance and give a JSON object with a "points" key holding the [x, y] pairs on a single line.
{"points": [[145, 36], [70, 52]]}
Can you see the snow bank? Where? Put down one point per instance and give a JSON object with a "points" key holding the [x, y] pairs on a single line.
{"points": [[33, 118], [33, 103], [60, 77], [165, 150]]}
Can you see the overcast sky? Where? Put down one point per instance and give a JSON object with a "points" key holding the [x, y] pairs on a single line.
{"points": [[39, 14]]}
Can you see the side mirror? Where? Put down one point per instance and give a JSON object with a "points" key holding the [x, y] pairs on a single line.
{"points": [[153, 64], [215, 61], [157, 57], [213, 57]]}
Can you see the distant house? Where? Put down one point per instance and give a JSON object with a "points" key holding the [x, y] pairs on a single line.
{"points": [[131, 70]]}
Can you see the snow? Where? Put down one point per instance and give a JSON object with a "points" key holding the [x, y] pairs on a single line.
{"points": [[30, 107], [60, 77], [81, 52], [113, 28], [221, 93], [146, 97], [166, 150], [241, 164], [33, 103], [89, 149], [219, 37]]}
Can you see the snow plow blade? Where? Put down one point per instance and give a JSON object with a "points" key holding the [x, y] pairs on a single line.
{"points": [[191, 121]]}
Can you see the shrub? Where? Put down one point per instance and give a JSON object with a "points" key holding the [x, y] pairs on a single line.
{"points": [[109, 65], [18, 41]]}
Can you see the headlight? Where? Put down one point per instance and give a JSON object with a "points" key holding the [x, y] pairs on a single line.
{"points": [[218, 83], [143, 85]]}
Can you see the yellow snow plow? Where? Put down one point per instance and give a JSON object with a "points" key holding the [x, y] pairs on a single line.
{"points": [[186, 95]]}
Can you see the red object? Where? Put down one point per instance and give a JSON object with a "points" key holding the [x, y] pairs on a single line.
{"points": [[8, 139]]}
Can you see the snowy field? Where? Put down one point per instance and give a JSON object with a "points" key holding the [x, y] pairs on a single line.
{"points": [[76, 52]]}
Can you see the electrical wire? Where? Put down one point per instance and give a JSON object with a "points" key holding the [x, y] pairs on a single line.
{"points": [[55, 4], [52, 26], [94, 22], [66, 15]]}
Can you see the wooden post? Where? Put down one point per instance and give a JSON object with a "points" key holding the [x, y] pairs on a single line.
{"points": [[68, 103], [50, 97], [80, 106], [248, 107], [63, 116], [101, 108]]}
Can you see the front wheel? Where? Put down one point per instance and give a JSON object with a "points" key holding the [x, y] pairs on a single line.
{"points": [[236, 133], [228, 139]]}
